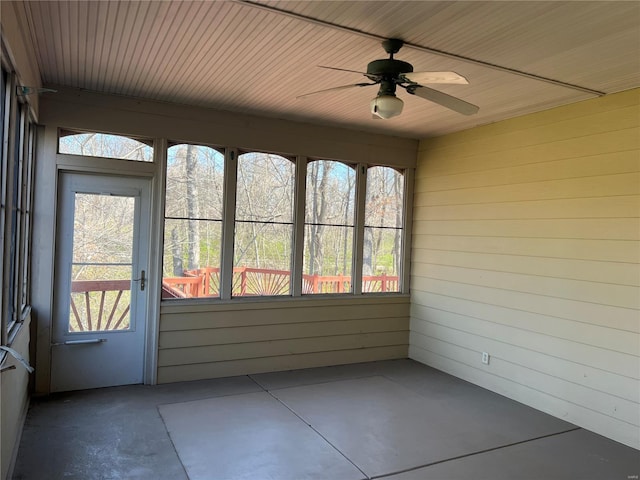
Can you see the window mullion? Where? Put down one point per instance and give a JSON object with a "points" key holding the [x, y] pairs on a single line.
{"points": [[8, 167], [4, 176], [28, 205], [404, 274], [158, 210], [18, 197], [358, 237], [298, 225], [228, 222]]}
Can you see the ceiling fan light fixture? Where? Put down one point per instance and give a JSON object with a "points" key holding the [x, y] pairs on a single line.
{"points": [[386, 106]]}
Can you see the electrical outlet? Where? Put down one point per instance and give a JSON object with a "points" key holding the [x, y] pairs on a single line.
{"points": [[485, 358]]}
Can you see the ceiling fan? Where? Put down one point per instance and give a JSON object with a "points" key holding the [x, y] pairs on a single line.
{"points": [[390, 73]]}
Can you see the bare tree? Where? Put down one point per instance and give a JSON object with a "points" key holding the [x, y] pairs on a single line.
{"points": [[193, 211], [383, 223], [317, 174]]}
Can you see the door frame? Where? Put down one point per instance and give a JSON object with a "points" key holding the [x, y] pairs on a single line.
{"points": [[49, 164], [138, 188], [151, 171]]}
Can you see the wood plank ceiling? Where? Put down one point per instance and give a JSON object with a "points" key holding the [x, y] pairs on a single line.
{"points": [[243, 57]]}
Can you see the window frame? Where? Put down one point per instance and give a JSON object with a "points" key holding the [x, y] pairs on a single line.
{"points": [[64, 132], [16, 219], [301, 163], [294, 219], [15, 223], [6, 98], [165, 217], [354, 219], [401, 229]]}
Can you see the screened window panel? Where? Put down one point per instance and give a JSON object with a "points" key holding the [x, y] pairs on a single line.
{"points": [[263, 233], [193, 221], [329, 227], [382, 243]]}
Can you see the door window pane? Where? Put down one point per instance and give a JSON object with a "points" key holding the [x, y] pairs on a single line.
{"points": [[382, 255], [264, 225], [193, 222], [329, 214], [102, 262]]}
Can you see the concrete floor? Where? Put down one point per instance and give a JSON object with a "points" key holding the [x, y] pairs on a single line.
{"points": [[397, 420]]}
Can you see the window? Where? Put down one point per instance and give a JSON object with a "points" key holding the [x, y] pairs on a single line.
{"points": [[263, 237], [4, 111], [263, 224], [193, 221], [382, 255], [15, 217], [329, 226], [16, 184], [94, 144]]}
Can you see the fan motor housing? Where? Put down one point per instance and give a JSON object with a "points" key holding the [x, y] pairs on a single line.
{"points": [[389, 66]]}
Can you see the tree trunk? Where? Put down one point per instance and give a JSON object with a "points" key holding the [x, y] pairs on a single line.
{"points": [[367, 252], [193, 210], [178, 268], [319, 216], [350, 180]]}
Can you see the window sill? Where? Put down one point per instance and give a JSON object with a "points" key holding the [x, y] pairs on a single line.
{"points": [[17, 326], [280, 298]]}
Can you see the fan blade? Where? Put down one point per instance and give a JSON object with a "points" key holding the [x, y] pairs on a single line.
{"points": [[424, 78], [443, 99], [341, 69], [334, 89]]}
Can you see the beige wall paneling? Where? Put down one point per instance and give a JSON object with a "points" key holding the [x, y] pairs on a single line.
{"points": [[14, 400], [264, 333], [107, 113], [624, 296], [593, 165], [589, 270], [279, 363], [616, 317], [569, 228], [232, 338], [620, 251], [526, 246], [589, 186], [515, 384]]}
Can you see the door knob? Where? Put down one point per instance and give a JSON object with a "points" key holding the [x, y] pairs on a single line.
{"points": [[142, 280]]}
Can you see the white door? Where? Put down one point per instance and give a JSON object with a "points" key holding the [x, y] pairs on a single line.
{"points": [[100, 283]]}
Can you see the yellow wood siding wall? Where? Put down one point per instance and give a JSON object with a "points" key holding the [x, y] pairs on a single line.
{"points": [[526, 246], [208, 341]]}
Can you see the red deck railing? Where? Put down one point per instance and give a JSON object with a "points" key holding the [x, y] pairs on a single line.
{"points": [[104, 304], [247, 281]]}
